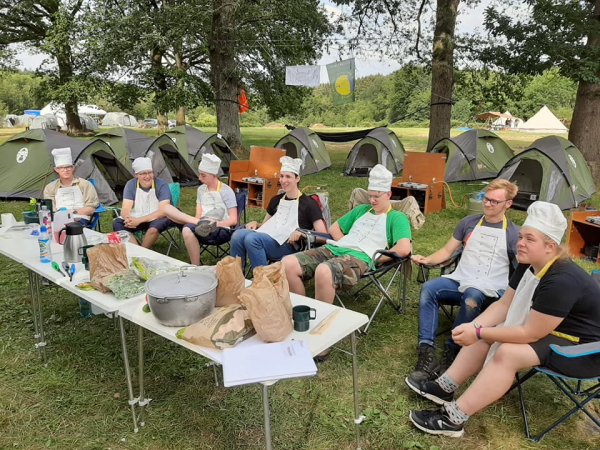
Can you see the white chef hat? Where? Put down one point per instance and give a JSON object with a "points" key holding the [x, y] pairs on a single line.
{"points": [[62, 157], [547, 218], [141, 164], [210, 163], [380, 179], [290, 164]]}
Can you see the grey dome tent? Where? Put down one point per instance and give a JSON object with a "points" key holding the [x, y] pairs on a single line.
{"points": [[305, 144], [380, 146], [552, 169], [194, 143], [45, 122], [26, 165], [119, 119], [167, 162], [473, 155]]}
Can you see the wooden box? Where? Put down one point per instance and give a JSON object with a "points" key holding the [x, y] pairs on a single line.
{"points": [[581, 233], [264, 163], [427, 169]]}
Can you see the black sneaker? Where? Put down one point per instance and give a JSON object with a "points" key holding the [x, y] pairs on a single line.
{"points": [[448, 357], [205, 227], [436, 422], [430, 390], [427, 364]]}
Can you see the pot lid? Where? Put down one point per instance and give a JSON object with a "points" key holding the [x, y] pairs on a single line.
{"points": [[184, 283]]}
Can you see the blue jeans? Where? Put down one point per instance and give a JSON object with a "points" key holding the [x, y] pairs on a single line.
{"points": [[444, 290], [259, 247]]}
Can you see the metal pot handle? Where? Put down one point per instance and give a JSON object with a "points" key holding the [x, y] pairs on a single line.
{"points": [[162, 300]]}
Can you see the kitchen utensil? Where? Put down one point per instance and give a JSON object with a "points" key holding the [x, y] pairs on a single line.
{"points": [[71, 272], [65, 266], [84, 257], [302, 316], [56, 267], [325, 323], [179, 299], [74, 239]]}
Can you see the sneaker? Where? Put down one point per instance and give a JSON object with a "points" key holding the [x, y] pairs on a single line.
{"points": [[205, 227], [427, 364], [448, 357], [436, 422], [430, 390]]}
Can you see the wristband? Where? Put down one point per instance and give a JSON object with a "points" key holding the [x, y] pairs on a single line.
{"points": [[478, 332]]}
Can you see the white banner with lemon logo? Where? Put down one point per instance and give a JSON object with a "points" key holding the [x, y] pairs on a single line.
{"points": [[341, 76]]}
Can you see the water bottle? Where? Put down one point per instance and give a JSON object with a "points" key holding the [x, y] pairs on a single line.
{"points": [[44, 244], [85, 308], [46, 219]]}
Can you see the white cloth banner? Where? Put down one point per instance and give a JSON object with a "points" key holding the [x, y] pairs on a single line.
{"points": [[303, 75]]}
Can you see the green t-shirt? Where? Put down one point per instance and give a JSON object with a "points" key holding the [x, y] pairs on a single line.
{"points": [[396, 223]]}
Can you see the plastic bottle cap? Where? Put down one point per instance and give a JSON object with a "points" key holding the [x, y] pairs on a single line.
{"points": [[43, 229]]}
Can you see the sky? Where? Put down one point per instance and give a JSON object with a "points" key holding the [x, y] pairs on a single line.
{"points": [[469, 20]]}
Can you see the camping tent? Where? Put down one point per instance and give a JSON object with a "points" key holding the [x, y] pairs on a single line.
{"points": [[26, 165], [380, 146], [24, 120], [119, 119], [167, 162], [473, 155], [45, 122], [552, 169], [305, 144], [543, 122], [194, 143], [502, 121]]}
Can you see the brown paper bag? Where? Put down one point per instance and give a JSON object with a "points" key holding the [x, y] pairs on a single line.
{"points": [[267, 305], [105, 260], [231, 280], [275, 273], [223, 329]]}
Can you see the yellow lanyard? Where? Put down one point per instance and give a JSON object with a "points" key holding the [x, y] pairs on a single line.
{"points": [[504, 222]]}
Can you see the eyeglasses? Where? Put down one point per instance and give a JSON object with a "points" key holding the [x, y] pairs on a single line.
{"points": [[65, 168], [493, 202], [145, 174], [375, 197]]}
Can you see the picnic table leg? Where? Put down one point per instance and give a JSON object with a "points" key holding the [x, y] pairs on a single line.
{"points": [[132, 401], [358, 418], [38, 318], [143, 401], [265, 390]]}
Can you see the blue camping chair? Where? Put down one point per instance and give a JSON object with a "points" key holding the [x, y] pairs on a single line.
{"points": [[94, 223], [220, 247]]}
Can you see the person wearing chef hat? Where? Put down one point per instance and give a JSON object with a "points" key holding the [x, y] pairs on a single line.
{"points": [[549, 300], [356, 237], [216, 210], [76, 195], [277, 235], [144, 199], [489, 242]]}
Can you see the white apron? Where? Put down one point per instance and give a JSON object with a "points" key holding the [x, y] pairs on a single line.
{"points": [[519, 308], [69, 197], [145, 203], [368, 234], [213, 200], [284, 222], [484, 263]]}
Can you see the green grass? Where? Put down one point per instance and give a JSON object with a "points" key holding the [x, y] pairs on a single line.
{"points": [[73, 404]]}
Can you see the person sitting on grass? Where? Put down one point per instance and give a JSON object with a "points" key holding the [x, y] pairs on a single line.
{"points": [[276, 236], [356, 237], [489, 247], [550, 300], [216, 210], [76, 195], [144, 199]]}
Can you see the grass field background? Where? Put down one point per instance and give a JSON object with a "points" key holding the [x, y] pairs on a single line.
{"points": [[80, 400]]}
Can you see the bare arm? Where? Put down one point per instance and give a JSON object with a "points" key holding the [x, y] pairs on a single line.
{"points": [[254, 224], [336, 232], [443, 254], [232, 221], [126, 208], [535, 327]]}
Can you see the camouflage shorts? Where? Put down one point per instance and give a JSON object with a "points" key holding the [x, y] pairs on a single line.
{"points": [[346, 270]]}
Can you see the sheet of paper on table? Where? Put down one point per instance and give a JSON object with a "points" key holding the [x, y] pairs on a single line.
{"points": [[267, 362]]}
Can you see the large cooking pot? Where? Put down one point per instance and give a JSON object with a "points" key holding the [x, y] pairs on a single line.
{"points": [[179, 299]]}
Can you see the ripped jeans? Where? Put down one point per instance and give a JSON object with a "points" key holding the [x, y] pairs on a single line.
{"points": [[444, 290]]}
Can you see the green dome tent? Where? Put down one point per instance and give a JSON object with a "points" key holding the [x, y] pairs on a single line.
{"points": [[194, 143], [473, 155], [305, 144], [380, 146], [168, 162], [26, 165], [551, 169]]}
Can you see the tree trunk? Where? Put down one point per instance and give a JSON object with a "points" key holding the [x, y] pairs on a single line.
{"points": [[222, 74], [585, 126], [160, 89], [65, 75], [442, 71], [181, 68], [181, 116]]}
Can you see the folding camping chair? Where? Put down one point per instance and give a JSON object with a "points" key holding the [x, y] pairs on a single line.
{"points": [[565, 384], [217, 248], [94, 223]]}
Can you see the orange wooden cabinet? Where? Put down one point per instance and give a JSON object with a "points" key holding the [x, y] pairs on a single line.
{"points": [[427, 170], [264, 163], [581, 233]]}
